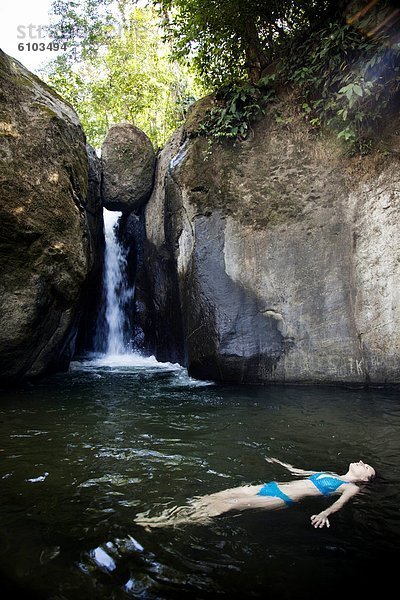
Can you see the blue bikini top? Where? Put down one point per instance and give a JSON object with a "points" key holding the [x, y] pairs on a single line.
{"points": [[325, 483]]}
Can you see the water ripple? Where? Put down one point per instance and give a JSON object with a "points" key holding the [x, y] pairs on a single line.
{"points": [[83, 453]]}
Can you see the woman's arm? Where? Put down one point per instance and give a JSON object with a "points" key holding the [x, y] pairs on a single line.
{"points": [[289, 467], [322, 518]]}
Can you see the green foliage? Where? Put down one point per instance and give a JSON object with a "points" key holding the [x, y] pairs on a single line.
{"points": [[347, 81], [344, 75], [345, 78], [122, 72], [238, 104], [228, 40], [83, 24]]}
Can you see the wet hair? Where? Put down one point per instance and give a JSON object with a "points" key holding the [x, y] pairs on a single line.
{"points": [[379, 478]]}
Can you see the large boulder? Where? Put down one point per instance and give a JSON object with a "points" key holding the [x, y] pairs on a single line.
{"points": [[46, 239], [285, 254], [128, 159]]}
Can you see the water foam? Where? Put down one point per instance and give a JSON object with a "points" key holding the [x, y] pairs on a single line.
{"points": [[119, 363]]}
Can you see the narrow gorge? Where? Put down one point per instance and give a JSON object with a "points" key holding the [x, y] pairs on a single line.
{"points": [[274, 259]]}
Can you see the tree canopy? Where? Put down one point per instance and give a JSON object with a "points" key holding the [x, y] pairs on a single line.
{"points": [[229, 39], [342, 58], [136, 60], [119, 68]]}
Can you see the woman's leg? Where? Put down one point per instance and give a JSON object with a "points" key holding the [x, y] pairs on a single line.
{"points": [[203, 508]]}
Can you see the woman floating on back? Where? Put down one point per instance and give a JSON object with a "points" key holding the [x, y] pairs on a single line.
{"points": [[269, 496]]}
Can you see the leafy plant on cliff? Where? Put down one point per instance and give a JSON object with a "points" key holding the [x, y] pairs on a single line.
{"points": [[237, 105], [341, 58], [345, 79]]}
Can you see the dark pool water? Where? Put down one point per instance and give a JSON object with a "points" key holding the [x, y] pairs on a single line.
{"points": [[83, 452]]}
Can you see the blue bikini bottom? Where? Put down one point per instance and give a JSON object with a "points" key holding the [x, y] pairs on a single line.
{"points": [[272, 489]]}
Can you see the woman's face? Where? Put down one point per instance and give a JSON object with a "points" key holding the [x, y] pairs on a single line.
{"points": [[361, 470]]}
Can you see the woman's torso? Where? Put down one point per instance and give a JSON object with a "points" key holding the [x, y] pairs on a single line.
{"points": [[305, 487]]}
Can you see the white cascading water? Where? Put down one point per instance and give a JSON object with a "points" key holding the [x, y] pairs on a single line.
{"points": [[113, 346], [117, 292]]}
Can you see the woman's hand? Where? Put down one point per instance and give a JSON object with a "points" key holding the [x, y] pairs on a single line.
{"points": [[320, 520]]}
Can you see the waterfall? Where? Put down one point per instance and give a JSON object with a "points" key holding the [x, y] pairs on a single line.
{"points": [[117, 294], [117, 341]]}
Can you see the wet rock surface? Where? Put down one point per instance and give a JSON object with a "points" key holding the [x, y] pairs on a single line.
{"points": [[46, 237]]}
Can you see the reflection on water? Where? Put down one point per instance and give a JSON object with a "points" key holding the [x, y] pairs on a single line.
{"points": [[81, 454]]}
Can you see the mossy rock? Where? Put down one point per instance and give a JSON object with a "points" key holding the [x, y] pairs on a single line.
{"points": [[45, 252]]}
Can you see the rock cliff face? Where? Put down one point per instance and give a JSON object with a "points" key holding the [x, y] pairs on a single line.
{"points": [[48, 224], [279, 257], [157, 284]]}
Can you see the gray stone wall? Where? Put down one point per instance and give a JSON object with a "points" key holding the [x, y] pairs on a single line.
{"points": [[287, 252]]}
